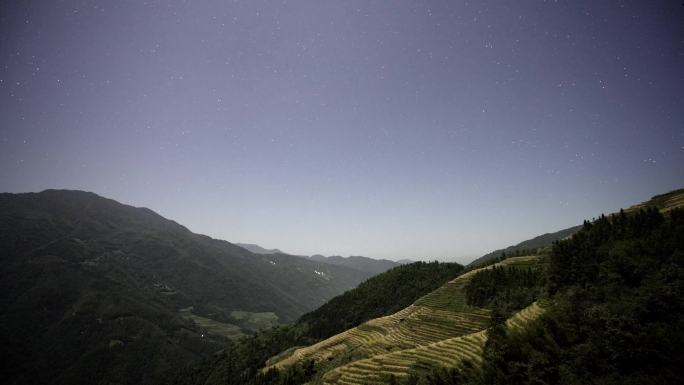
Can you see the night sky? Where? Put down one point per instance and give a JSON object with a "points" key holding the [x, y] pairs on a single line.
{"points": [[400, 129]]}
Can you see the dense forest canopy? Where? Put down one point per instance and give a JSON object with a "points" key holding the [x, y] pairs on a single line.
{"points": [[616, 290]]}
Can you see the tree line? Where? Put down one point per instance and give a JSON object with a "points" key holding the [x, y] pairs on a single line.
{"points": [[616, 290]]}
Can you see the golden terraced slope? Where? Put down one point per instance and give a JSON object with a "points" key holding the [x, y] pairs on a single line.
{"points": [[438, 329], [450, 352], [664, 202]]}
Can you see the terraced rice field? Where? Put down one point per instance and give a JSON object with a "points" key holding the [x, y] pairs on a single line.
{"points": [[664, 203], [412, 327], [439, 329], [451, 352], [376, 370], [674, 202], [524, 316]]}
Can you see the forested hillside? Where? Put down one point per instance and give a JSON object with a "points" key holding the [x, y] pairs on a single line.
{"points": [[618, 305], [662, 202], [603, 306], [378, 296], [525, 247], [375, 266], [95, 290]]}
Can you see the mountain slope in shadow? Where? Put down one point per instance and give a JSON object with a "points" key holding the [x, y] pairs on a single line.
{"points": [[92, 289]]}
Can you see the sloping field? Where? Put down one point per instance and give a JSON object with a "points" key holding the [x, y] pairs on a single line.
{"points": [[451, 352], [211, 326], [674, 202], [412, 327], [439, 329], [451, 296], [376, 370], [664, 202]]}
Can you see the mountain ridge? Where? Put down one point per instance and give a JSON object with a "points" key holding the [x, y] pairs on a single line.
{"points": [[371, 265], [540, 241], [366, 264], [663, 202], [256, 249], [118, 273]]}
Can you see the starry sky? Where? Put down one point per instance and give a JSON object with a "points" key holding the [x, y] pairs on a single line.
{"points": [[395, 129]]}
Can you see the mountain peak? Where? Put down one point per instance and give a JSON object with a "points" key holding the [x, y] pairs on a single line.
{"points": [[256, 249]]}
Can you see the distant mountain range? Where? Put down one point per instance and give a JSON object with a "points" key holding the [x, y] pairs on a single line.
{"points": [[92, 289], [256, 249], [369, 265]]}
